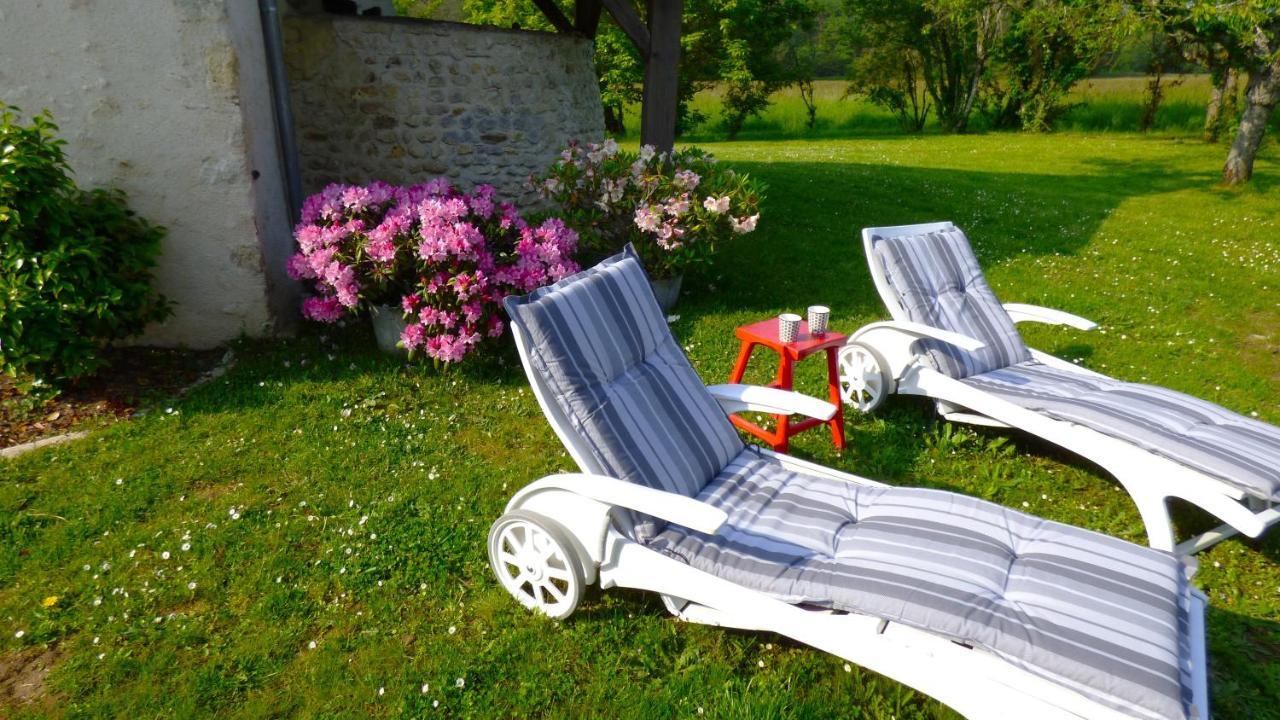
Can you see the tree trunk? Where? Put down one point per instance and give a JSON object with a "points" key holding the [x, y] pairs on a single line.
{"points": [[613, 121], [1259, 101], [1230, 97], [661, 75], [1221, 78], [1151, 106]]}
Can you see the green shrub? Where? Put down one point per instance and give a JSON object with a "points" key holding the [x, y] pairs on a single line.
{"points": [[75, 265]]}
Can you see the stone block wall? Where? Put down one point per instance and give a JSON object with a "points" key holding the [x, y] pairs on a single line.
{"points": [[406, 100]]}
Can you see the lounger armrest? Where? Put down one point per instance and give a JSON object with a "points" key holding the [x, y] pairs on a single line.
{"points": [[755, 398], [1019, 312], [678, 509], [918, 331]]}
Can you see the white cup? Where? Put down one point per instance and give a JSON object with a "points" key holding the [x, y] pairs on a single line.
{"points": [[788, 327], [819, 316]]}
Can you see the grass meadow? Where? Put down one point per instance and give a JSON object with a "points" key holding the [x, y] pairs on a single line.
{"points": [[305, 536], [1097, 104]]}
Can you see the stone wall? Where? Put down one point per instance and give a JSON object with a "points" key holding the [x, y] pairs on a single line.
{"points": [[406, 100], [149, 95]]}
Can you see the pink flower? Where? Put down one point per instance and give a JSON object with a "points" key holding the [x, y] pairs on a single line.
{"points": [[412, 337], [381, 250], [322, 309], [480, 205], [356, 199], [320, 260], [409, 303], [510, 217], [495, 326], [677, 206], [380, 192], [446, 348], [335, 273], [744, 225], [349, 294], [299, 267], [687, 179], [472, 311], [647, 219], [308, 237], [716, 206]]}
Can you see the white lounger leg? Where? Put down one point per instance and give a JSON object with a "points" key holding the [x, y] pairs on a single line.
{"points": [[1154, 510]]}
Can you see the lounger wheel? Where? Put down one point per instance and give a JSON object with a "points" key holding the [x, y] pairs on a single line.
{"points": [[537, 562], [864, 380]]}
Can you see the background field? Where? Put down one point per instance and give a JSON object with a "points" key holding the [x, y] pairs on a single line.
{"points": [[305, 537], [1112, 103]]}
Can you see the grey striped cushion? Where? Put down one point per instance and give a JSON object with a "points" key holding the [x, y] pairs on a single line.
{"points": [[1191, 431], [939, 283], [1100, 615], [603, 346]]}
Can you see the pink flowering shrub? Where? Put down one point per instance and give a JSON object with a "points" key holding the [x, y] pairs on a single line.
{"points": [[444, 257], [676, 208]]}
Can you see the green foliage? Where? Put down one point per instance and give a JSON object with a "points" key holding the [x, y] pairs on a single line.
{"points": [[1015, 60], [740, 42], [1046, 49], [910, 55], [676, 209], [745, 44], [621, 73], [75, 266]]}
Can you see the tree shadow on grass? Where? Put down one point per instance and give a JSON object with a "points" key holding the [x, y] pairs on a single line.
{"points": [[809, 245]]}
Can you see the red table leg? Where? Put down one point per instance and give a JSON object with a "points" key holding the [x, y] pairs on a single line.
{"points": [[833, 394], [782, 434], [740, 367]]}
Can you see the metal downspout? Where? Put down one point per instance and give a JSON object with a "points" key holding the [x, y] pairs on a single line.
{"points": [[282, 108]]}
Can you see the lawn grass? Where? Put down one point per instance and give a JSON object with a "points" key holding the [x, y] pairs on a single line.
{"points": [[182, 564]]}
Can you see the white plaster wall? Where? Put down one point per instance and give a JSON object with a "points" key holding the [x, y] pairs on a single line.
{"points": [[148, 96]]}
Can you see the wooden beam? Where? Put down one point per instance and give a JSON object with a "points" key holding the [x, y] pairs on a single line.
{"points": [[553, 13], [586, 17], [624, 13], [661, 78]]}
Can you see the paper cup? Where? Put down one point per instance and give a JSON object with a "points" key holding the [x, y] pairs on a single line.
{"points": [[819, 316], [788, 327]]}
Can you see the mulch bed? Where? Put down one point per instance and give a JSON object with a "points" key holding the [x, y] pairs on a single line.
{"points": [[133, 377]]}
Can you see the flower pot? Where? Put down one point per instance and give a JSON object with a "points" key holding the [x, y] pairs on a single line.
{"points": [[388, 323], [667, 290]]}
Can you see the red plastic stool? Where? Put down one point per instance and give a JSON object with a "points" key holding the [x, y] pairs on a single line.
{"points": [[765, 333]]}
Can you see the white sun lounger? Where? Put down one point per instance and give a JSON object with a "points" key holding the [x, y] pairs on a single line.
{"points": [[993, 612], [951, 340]]}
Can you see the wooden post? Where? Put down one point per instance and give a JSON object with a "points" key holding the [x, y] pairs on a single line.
{"points": [[586, 17], [554, 15], [661, 81]]}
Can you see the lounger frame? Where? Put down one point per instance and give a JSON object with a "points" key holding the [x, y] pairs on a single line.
{"points": [[1150, 479], [972, 681]]}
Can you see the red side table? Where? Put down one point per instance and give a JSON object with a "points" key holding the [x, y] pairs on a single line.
{"points": [[765, 333]]}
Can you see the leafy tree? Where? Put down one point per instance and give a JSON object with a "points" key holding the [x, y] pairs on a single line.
{"points": [[738, 42], [1243, 35], [910, 55], [742, 43], [1044, 49], [1165, 56], [892, 76]]}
